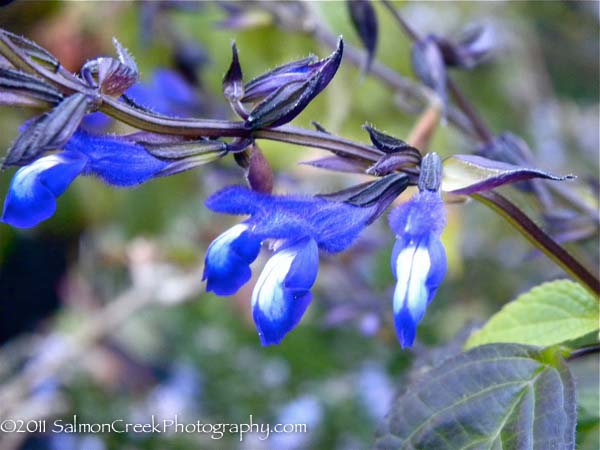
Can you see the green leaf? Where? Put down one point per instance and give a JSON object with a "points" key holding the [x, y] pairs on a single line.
{"points": [[498, 396], [549, 314]]}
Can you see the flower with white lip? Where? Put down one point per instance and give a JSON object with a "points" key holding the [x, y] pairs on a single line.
{"points": [[228, 259], [34, 188], [116, 160], [418, 260], [304, 225], [282, 292]]}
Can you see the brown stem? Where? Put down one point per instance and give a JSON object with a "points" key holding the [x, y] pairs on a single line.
{"points": [[482, 130], [539, 238], [410, 31], [583, 351]]}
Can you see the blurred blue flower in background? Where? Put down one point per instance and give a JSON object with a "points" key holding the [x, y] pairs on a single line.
{"points": [[168, 93], [301, 226]]}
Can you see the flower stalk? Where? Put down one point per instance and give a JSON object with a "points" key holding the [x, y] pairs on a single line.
{"points": [[539, 238], [67, 84]]}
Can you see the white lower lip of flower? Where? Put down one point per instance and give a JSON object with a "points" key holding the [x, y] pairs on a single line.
{"points": [[27, 175], [412, 268], [229, 236], [268, 292]]}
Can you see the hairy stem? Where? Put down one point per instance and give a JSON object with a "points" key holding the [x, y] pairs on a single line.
{"points": [[223, 128]]}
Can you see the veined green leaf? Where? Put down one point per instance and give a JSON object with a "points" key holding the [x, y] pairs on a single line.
{"points": [[549, 314], [498, 396]]}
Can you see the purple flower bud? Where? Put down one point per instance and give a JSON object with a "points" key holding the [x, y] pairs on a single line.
{"points": [[292, 93], [430, 177], [472, 48], [233, 89], [114, 76], [392, 162], [364, 20], [390, 144], [428, 64], [267, 83], [259, 173], [295, 73]]}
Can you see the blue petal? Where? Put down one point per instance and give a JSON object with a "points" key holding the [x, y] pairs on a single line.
{"points": [[116, 160], [228, 259], [32, 194], [333, 225], [419, 267], [168, 94], [282, 292], [439, 266], [406, 327]]}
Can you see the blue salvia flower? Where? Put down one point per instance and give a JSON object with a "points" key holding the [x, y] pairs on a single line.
{"points": [[418, 259], [301, 226], [282, 292], [34, 188], [32, 195], [33, 191], [228, 260]]}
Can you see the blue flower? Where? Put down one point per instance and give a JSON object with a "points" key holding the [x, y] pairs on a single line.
{"points": [[169, 94], [32, 194], [34, 188], [418, 260], [228, 259], [302, 225], [282, 292]]}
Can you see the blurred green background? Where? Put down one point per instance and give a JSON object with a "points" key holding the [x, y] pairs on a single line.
{"points": [[198, 355]]}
